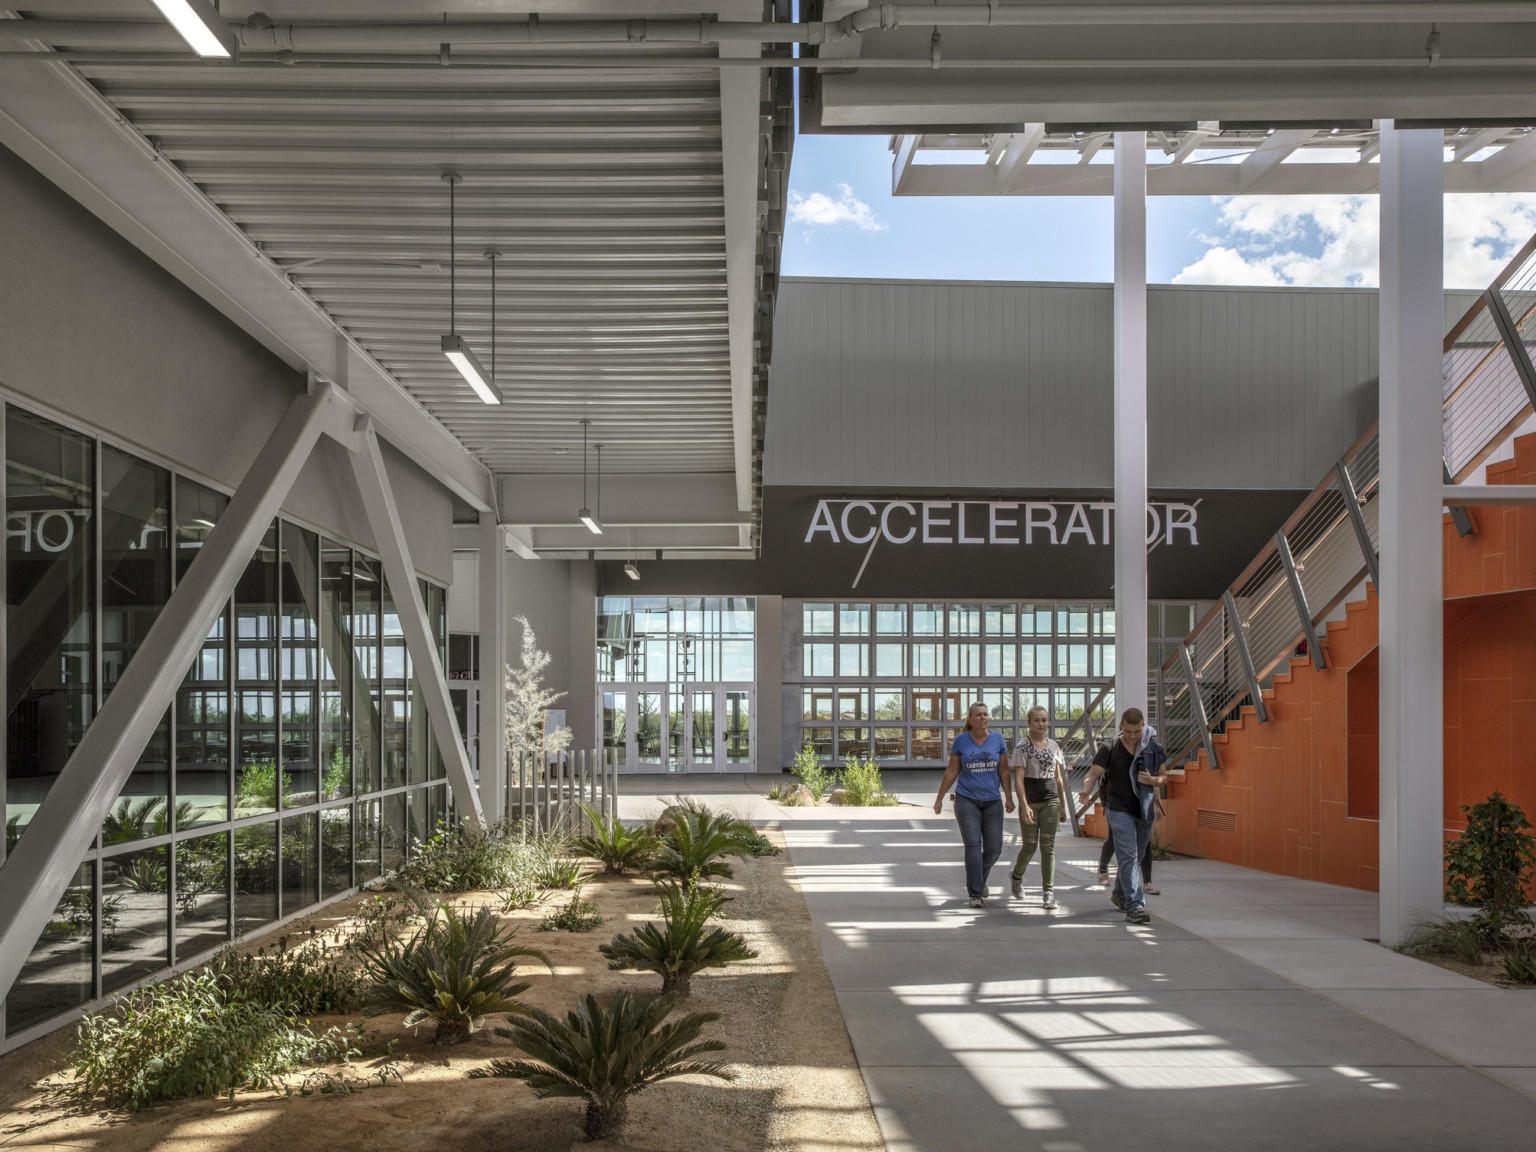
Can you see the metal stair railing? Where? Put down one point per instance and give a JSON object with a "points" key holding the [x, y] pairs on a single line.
{"points": [[1330, 543]]}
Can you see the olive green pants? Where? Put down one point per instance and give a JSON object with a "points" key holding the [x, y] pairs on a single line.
{"points": [[1041, 834]]}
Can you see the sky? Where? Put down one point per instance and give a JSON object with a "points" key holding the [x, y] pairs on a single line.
{"points": [[843, 221]]}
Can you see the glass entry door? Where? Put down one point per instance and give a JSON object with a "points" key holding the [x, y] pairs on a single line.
{"points": [[679, 727]]}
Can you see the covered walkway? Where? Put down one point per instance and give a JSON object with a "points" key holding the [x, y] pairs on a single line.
{"points": [[1254, 1012]]}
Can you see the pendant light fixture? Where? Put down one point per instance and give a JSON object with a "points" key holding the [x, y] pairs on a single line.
{"points": [[629, 567], [454, 346], [585, 515]]}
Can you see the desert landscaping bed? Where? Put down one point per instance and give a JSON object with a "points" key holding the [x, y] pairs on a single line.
{"points": [[797, 1084]]}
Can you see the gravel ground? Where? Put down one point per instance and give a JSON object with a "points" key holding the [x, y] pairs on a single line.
{"points": [[797, 1088]]}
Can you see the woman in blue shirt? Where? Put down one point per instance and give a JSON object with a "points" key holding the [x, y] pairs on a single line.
{"points": [[977, 764]]}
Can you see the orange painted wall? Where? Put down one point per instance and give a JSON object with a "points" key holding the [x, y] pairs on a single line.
{"points": [[1302, 788]]}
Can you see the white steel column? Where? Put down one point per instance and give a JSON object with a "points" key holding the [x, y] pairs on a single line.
{"points": [[38, 870], [493, 666], [395, 554], [1412, 594], [1130, 420]]}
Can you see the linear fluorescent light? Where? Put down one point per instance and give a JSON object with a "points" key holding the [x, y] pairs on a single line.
{"points": [[631, 571], [590, 521], [200, 26], [463, 358]]}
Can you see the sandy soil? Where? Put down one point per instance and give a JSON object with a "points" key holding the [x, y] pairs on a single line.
{"points": [[1490, 970], [798, 1086]]}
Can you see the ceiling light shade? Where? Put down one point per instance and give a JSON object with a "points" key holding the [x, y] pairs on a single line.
{"points": [[463, 358], [631, 571], [200, 26], [591, 521]]}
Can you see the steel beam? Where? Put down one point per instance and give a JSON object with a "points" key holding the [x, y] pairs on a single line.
{"points": [[493, 663], [1357, 521], [1299, 594], [395, 554], [1514, 342], [1457, 495], [1490, 495], [1130, 420], [44, 860], [1245, 657], [1197, 705]]}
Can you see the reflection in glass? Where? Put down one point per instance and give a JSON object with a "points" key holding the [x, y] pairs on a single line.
{"points": [[336, 679], [927, 744], [702, 749], [202, 702], [136, 583], [418, 817], [648, 727], [890, 619], [256, 682], [255, 876], [335, 850], [677, 731], [890, 743], [202, 894], [615, 733], [394, 683], [393, 833], [366, 735], [50, 628], [738, 727], [301, 862], [58, 974], [852, 742], [300, 665], [889, 704], [365, 850], [135, 942]]}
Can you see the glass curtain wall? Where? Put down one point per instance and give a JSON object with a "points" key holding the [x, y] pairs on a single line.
{"points": [[264, 790], [893, 680]]}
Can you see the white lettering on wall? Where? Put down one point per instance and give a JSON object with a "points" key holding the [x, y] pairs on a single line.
{"points": [[50, 530], [885, 521], [1167, 522], [848, 532], [822, 522], [1031, 523], [994, 522], [930, 522]]}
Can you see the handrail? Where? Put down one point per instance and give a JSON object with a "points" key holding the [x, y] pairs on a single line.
{"points": [[1326, 548]]}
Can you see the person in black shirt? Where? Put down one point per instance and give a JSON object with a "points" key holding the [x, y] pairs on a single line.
{"points": [[1131, 770]]}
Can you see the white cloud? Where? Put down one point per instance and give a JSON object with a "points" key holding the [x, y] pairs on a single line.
{"points": [[1335, 240], [820, 209]]}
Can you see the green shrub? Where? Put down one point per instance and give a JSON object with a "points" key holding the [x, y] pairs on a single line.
{"points": [[148, 817], [475, 859], [560, 873], [696, 842], [1160, 850], [1489, 866], [862, 784], [318, 973], [682, 943], [605, 1055], [1520, 961], [1458, 939], [256, 789], [753, 842], [454, 970], [786, 794], [186, 1038], [613, 845], [811, 772], [577, 916]]}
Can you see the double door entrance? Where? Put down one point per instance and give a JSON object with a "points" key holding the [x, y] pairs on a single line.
{"points": [[679, 727]]}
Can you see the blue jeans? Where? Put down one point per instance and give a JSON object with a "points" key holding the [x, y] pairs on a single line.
{"points": [[981, 827], [1130, 837]]}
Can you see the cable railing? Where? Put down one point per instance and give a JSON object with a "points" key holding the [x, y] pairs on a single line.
{"points": [[1329, 544]]}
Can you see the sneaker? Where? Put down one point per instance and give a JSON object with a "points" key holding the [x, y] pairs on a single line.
{"points": [[1150, 890], [975, 902], [1048, 900], [1138, 916], [1117, 900], [1103, 877], [1018, 887]]}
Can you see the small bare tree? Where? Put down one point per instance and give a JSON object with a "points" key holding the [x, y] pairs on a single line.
{"points": [[528, 699]]}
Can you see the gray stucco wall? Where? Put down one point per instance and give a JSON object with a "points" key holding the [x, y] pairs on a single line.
{"points": [[951, 384], [93, 330]]}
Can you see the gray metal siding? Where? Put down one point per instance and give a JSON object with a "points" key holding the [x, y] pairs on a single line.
{"points": [[990, 385]]}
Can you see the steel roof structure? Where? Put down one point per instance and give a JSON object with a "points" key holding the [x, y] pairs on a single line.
{"points": [[634, 196]]}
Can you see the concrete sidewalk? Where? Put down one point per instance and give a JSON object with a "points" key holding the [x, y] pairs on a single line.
{"points": [[1253, 1013]]}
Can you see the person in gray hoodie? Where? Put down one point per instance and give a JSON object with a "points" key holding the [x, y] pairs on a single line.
{"points": [[1132, 769]]}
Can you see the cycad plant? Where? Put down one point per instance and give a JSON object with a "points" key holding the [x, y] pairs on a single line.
{"points": [[682, 943], [696, 841], [605, 1056], [455, 969], [613, 845]]}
